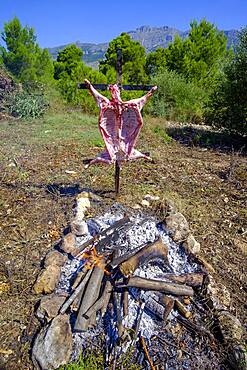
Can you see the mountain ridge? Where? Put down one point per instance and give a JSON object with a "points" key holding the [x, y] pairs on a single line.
{"points": [[150, 37]]}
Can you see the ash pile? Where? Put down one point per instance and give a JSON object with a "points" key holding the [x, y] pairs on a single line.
{"points": [[129, 286]]}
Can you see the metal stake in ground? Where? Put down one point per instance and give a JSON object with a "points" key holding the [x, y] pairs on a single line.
{"points": [[119, 82]]}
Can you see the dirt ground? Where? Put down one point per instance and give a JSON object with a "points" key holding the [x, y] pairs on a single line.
{"points": [[202, 172]]}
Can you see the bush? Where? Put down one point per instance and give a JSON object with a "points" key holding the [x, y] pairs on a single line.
{"points": [[27, 105], [177, 99]]}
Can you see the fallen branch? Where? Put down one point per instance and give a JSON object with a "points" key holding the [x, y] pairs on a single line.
{"points": [[151, 251], [159, 285], [169, 304], [125, 299], [143, 344]]}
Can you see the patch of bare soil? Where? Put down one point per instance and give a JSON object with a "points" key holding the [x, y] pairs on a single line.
{"points": [[37, 194]]}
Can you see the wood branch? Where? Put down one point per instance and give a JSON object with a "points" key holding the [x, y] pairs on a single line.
{"points": [[80, 275], [153, 304], [120, 326], [181, 309], [159, 285], [188, 324], [125, 299], [100, 302], [168, 304], [104, 87], [151, 251], [80, 288], [138, 320], [99, 240], [143, 344], [90, 296], [191, 279]]}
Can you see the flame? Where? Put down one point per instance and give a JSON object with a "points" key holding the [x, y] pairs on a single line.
{"points": [[93, 259]]}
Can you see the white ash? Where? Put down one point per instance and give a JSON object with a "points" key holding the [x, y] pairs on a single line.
{"points": [[136, 236]]}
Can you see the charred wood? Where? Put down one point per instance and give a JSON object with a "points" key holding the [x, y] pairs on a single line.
{"points": [[159, 285], [90, 296], [149, 252]]}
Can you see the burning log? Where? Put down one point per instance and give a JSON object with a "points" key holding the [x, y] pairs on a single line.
{"points": [[181, 309], [160, 285], [192, 279], [90, 296], [79, 290], [151, 251]]}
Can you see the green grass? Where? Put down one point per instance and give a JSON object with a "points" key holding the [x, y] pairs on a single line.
{"points": [[89, 362]]}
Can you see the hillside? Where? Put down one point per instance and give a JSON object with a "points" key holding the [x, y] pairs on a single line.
{"points": [[150, 37]]}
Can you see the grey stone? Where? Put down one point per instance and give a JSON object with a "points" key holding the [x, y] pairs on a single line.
{"points": [[177, 226], [230, 327], [191, 245], [55, 258], [49, 306], [68, 244], [237, 357], [53, 345]]}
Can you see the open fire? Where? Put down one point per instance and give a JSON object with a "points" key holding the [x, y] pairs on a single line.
{"points": [[134, 294]]}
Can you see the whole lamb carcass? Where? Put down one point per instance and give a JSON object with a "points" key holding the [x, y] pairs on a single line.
{"points": [[119, 124]]}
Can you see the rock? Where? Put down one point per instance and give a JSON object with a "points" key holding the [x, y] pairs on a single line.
{"points": [[237, 357], [177, 226], [50, 305], [151, 198], [220, 296], [145, 203], [230, 327], [82, 204], [191, 245], [68, 244], [47, 279], [79, 228], [53, 345], [55, 258]]}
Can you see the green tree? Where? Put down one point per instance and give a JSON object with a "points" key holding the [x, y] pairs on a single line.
{"points": [[133, 60], [22, 55], [69, 70], [198, 57], [155, 61], [227, 107]]}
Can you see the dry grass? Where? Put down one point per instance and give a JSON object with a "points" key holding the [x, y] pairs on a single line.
{"points": [[36, 197]]}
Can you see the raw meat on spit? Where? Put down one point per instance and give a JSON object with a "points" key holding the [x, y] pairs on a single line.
{"points": [[119, 124]]}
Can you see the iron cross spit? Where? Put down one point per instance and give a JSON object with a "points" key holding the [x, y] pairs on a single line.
{"points": [[119, 124]]}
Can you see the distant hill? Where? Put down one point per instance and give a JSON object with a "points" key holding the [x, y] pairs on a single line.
{"points": [[150, 37]]}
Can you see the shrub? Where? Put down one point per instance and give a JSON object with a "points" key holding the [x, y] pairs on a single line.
{"points": [[177, 99], [27, 105]]}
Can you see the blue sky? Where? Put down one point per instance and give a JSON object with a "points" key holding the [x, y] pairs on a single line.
{"points": [[58, 22]]}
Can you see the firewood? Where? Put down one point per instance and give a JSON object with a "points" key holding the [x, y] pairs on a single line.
{"points": [[125, 299], [160, 285], [100, 302], [151, 251], [80, 288], [191, 279], [194, 328], [90, 296], [116, 299], [181, 309], [169, 304]]}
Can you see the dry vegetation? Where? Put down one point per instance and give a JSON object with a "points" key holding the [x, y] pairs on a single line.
{"points": [[205, 179]]}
